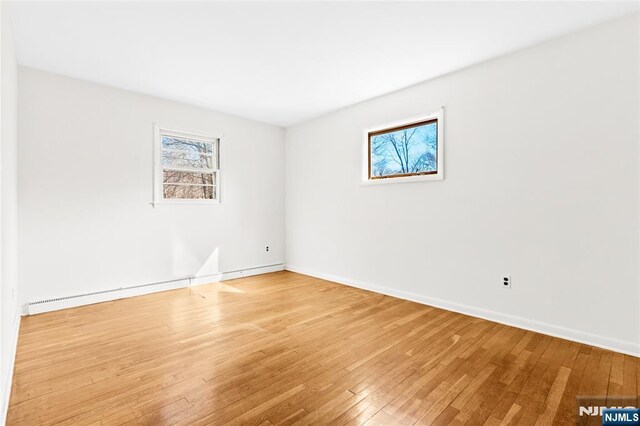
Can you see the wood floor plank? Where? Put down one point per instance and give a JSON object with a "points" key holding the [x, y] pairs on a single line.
{"points": [[285, 348]]}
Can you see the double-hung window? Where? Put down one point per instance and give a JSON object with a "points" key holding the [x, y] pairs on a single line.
{"points": [[187, 167]]}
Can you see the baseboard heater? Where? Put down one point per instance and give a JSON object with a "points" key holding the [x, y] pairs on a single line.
{"points": [[88, 298]]}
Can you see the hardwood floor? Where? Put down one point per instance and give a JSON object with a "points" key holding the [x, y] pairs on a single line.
{"points": [[285, 348]]}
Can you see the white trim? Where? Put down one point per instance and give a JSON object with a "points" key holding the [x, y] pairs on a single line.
{"points": [[439, 115], [190, 184], [73, 301], [157, 198], [239, 273], [12, 360], [205, 279], [179, 201], [188, 135], [188, 169], [604, 342], [247, 272]]}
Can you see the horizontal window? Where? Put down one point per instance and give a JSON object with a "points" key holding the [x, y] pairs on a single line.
{"points": [[403, 151]]}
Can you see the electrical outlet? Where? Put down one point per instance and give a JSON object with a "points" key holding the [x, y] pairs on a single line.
{"points": [[267, 248], [505, 281]]}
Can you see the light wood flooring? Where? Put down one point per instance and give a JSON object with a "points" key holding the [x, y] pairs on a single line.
{"points": [[286, 348]]}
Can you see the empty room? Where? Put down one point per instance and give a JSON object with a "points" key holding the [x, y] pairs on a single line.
{"points": [[320, 212]]}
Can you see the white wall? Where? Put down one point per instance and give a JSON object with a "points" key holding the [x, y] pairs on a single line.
{"points": [[8, 207], [85, 188], [541, 182]]}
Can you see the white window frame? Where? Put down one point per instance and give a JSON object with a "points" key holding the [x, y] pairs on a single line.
{"points": [[158, 197], [438, 115]]}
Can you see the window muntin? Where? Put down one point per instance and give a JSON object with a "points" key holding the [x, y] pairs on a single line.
{"points": [[188, 167], [403, 151]]}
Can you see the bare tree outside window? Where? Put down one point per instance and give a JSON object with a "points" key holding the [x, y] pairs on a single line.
{"points": [[409, 150]]}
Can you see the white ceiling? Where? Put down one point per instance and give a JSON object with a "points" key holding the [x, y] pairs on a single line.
{"points": [[282, 62]]}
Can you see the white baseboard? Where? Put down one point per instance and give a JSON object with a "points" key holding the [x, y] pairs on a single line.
{"points": [[604, 342], [73, 301], [247, 272], [239, 273], [6, 382], [205, 279]]}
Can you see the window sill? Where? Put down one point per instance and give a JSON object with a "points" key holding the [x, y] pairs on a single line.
{"points": [[405, 179], [185, 202]]}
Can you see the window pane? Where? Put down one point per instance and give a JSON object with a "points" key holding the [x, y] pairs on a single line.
{"points": [[184, 144], [189, 192], [405, 151], [171, 176], [186, 159]]}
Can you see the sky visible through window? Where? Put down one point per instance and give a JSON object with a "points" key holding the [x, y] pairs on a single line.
{"points": [[404, 152]]}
